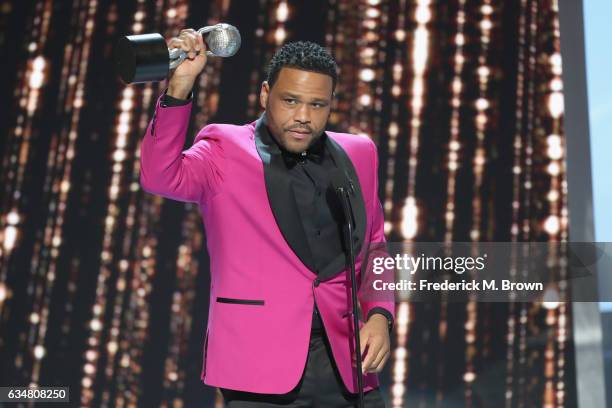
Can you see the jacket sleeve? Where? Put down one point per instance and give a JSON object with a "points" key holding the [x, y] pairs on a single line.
{"points": [[373, 301], [192, 175]]}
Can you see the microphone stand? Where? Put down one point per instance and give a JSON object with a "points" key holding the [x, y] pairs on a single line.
{"points": [[351, 252]]}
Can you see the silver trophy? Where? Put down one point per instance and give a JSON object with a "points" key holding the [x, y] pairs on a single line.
{"points": [[146, 57]]}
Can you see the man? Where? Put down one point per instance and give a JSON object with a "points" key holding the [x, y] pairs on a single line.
{"points": [[280, 323]]}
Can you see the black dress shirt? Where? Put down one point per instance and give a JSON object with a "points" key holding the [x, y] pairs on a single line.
{"points": [[319, 211]]}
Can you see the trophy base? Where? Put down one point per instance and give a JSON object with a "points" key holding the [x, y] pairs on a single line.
{"points": [[142, 58]]}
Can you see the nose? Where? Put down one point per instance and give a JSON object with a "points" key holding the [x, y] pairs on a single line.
{"points": [[302, 113]]}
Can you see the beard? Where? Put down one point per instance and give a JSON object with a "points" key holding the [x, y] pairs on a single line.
{"points": [[290, 141]]}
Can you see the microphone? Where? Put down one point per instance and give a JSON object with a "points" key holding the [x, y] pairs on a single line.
{"points": [[341, 185], [146, 57]]}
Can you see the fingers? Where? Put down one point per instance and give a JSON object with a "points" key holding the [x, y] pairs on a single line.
{"points": [[363, 354], [380, 360], [364, 339], [191, 38], [374, 347], [363, 342], [201, 42], [377, 354], [189, 41]]}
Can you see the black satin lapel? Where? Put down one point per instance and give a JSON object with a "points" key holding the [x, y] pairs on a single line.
{"points": [[343, 161], [281, 196]]}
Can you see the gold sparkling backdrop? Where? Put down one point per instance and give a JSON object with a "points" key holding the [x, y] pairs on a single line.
{"points": [[104, 288]]}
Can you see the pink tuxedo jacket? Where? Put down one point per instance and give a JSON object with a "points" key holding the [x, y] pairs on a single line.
{"points": [[262, 290]]}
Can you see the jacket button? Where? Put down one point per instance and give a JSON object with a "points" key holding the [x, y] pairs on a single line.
{"points": [[316, 282]]}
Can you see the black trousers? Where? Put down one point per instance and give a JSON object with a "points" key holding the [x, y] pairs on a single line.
{"points": [[320, 385]]}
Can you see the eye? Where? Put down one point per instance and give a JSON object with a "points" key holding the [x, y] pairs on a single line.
{"points": [[317, 105], [290, 101]]}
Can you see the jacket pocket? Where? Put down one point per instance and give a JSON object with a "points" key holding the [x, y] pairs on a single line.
{"points": [[240, 301]]}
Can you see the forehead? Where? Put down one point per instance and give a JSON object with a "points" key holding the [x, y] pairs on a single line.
{"points": [[300, 82]]}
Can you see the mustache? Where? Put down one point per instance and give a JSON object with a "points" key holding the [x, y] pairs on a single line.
{"points": [[307, 128]]}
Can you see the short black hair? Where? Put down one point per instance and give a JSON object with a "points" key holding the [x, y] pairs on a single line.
{"points": [[304, 55]]}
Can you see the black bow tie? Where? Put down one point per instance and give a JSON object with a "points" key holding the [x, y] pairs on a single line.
{"points": [[291, 159], [314, 153]]}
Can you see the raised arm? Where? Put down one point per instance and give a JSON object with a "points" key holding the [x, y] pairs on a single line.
{"points": [[166, 169]]}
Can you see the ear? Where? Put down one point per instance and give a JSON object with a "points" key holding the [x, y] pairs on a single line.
{"points": [[264, 94]]}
